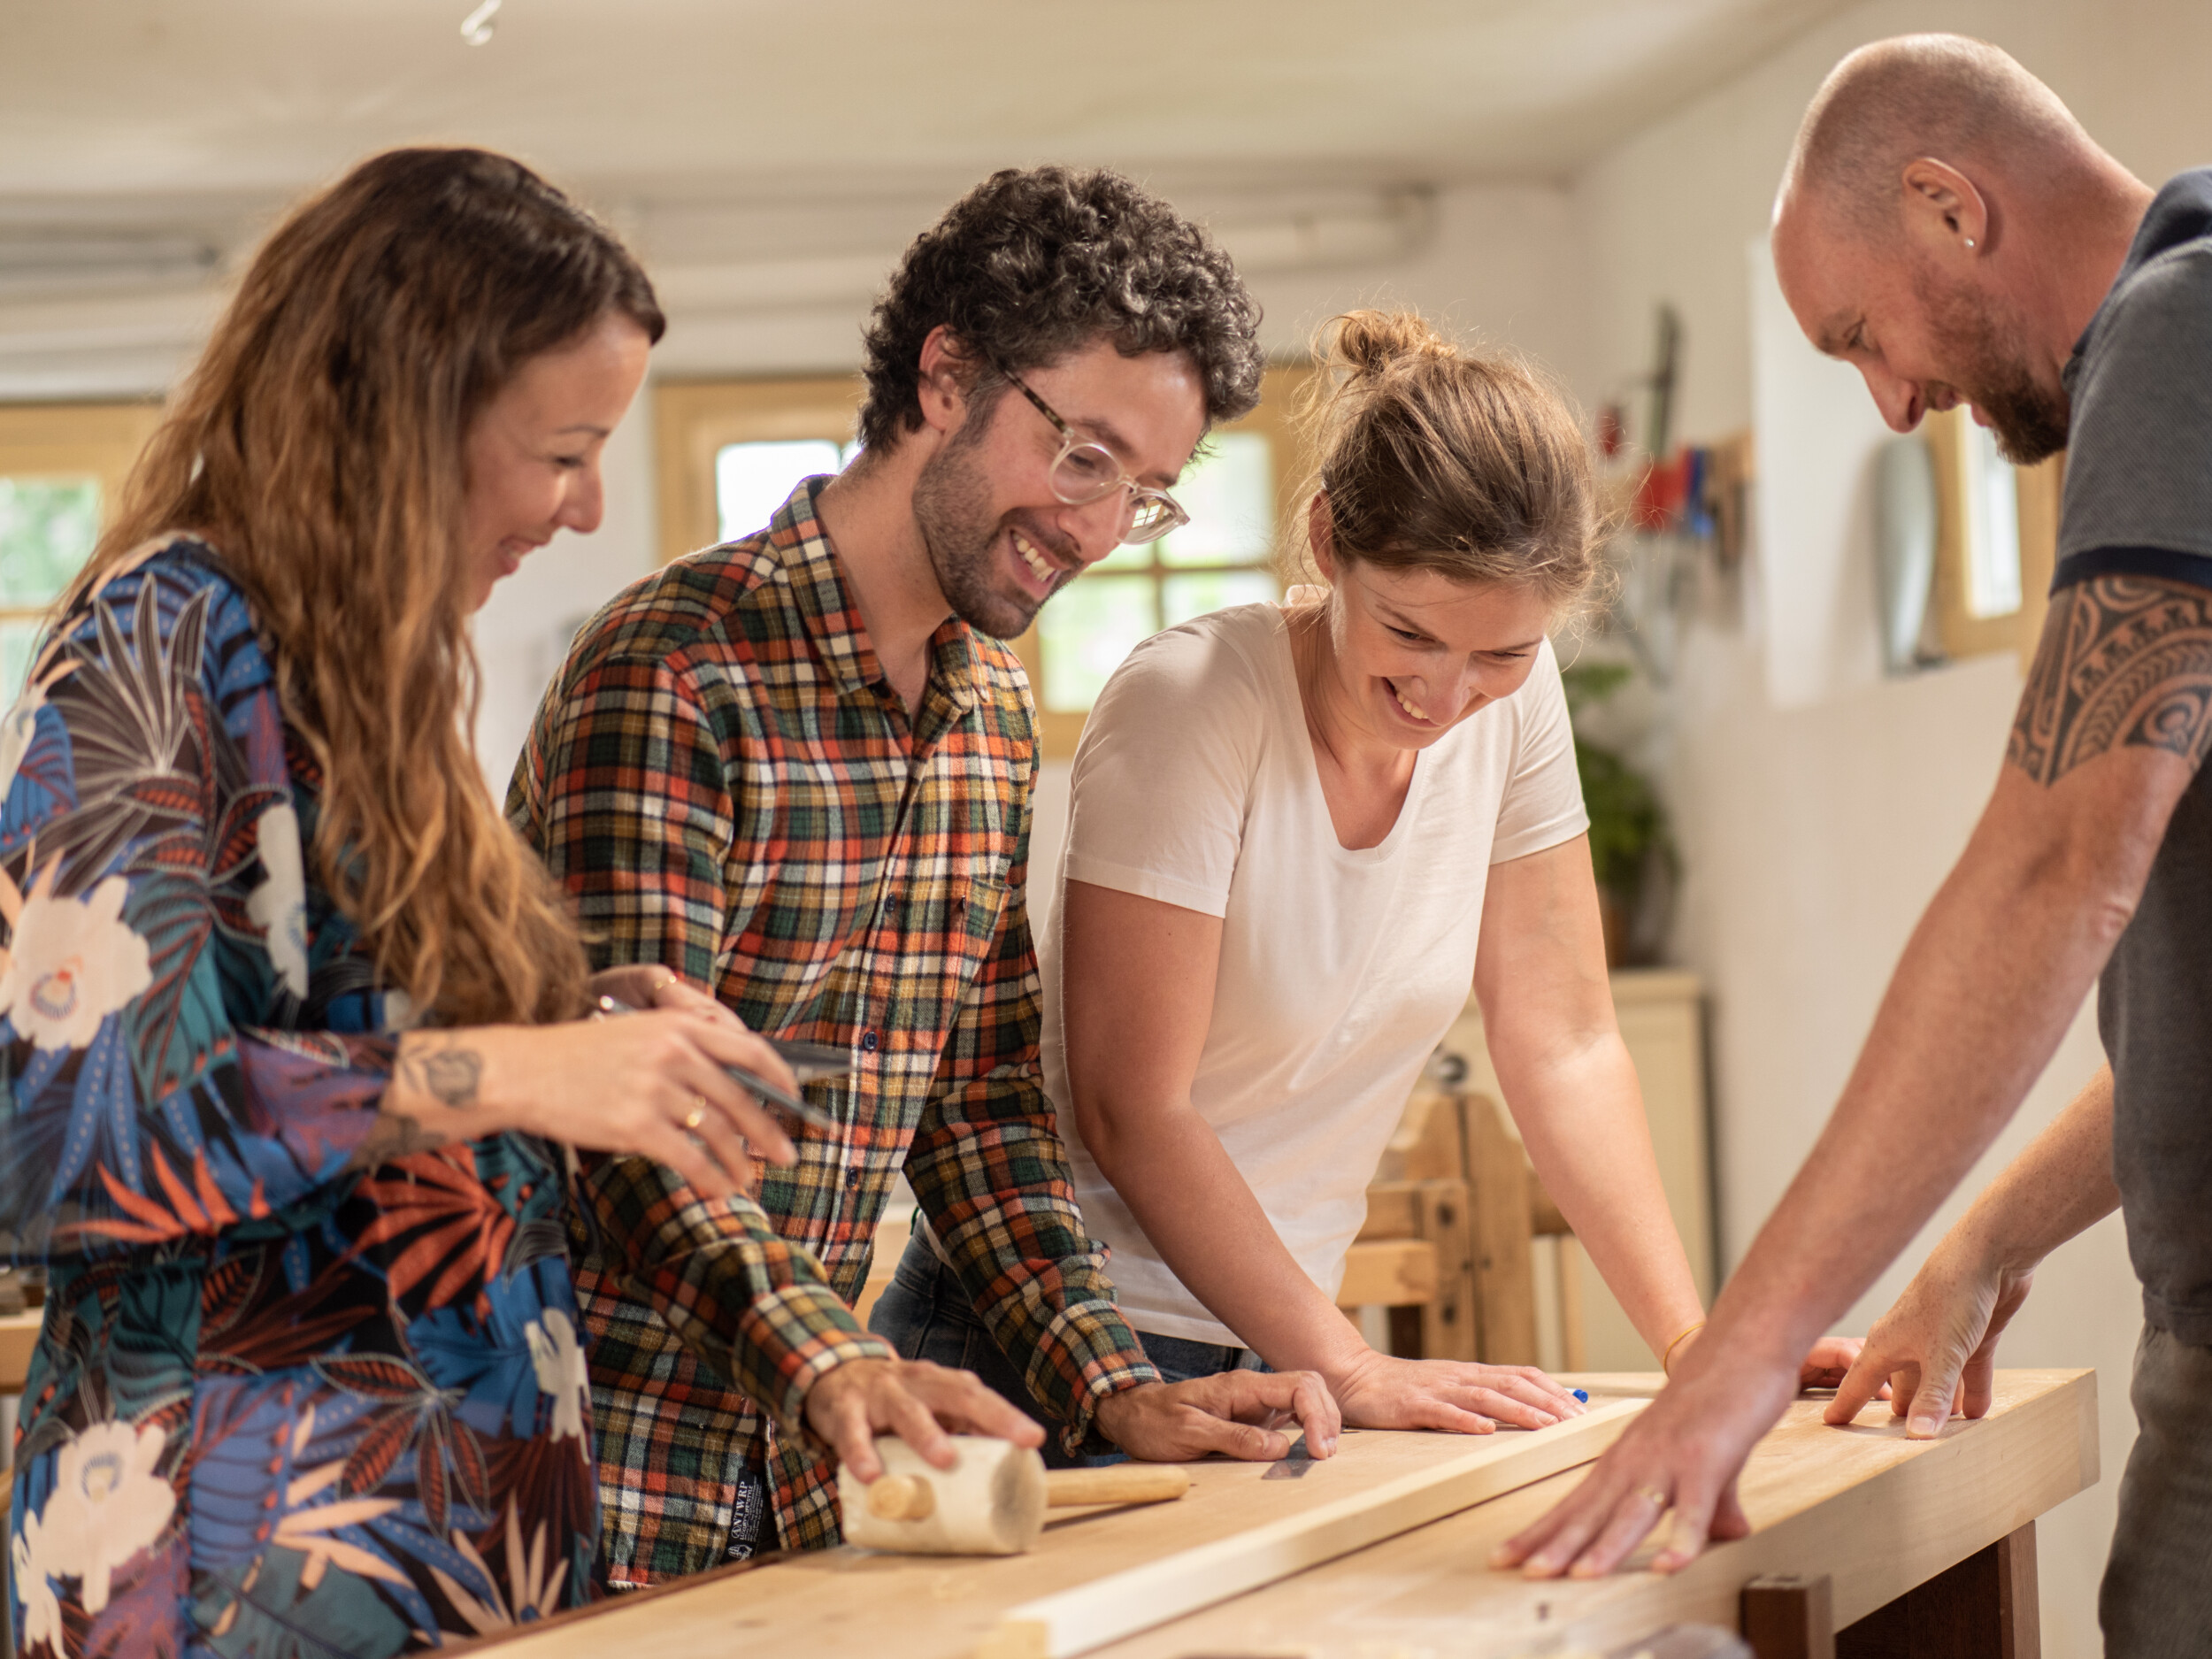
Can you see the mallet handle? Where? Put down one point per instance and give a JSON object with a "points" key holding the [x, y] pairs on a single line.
{"points": [[1116, 1483]]}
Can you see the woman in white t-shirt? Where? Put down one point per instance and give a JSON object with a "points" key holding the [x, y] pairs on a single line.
{"points": [[1299, 834]]}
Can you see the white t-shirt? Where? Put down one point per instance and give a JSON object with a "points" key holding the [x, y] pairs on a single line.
{"points": [[1340, 971]]}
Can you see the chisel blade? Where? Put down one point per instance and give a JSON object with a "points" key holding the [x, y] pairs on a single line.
{"points": [[1295, 1461]]}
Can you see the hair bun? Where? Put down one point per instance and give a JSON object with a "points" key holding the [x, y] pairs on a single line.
{"points": [[1458, 460], [1373, 343]]}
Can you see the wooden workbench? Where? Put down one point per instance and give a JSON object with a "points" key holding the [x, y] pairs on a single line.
{"points": [[1876, 1514], [18, 1335]]}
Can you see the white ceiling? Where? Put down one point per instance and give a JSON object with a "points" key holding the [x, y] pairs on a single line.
{"points": [[769, 157], [765, 98]]}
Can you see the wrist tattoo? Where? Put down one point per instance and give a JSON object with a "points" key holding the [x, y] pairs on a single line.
{"points": [[2124, 662], [394, 1135], [449, 1075]]}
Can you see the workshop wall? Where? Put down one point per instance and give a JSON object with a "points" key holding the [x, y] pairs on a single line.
{"points": [[1813, 836]]}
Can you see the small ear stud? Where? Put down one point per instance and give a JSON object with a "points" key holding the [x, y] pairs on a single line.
{"points": [[1970, 242]]}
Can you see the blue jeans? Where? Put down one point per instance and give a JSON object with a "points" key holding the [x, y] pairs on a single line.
{"points": [[927, 1315]]}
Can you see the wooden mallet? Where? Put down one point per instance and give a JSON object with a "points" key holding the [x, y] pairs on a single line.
{"points": [[992, 1502]]}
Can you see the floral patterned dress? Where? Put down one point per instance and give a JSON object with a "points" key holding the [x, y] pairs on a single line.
{"points": [[278, 1408]]}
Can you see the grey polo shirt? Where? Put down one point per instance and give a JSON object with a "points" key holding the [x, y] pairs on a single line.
{"points": [[2139, 502]]}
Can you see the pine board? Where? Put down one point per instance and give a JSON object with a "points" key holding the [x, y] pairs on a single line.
{"points": [[1877, 1512], [849, 1604]]}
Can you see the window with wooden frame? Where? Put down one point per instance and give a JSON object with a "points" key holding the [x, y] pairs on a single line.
{"points": [[1996, 539], [730, 451], [62, 466]]}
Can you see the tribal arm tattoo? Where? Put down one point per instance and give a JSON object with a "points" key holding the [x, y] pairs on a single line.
{"points": [[444, 1071], [2124, 662]]}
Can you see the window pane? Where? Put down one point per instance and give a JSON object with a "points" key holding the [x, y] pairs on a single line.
{"points": [[752, 480], [1230, 495], [1085, 631], [1992, 537], [1128, 557], [1183, 598], [47, 528], [19, 638]]}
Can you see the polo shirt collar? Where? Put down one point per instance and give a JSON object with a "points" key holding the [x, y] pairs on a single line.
{"points": [[2181, 211]]}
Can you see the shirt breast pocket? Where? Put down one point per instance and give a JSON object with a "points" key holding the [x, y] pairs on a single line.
{"points": [[972, 921]]}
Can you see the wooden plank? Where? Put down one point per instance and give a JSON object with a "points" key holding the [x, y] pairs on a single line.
{"points": [[1448, 1314], [18, 1335], [1545, 1218], [1388, 1272], [1573, 1338], [1076, 1620], [1431, 1143], [850, 1603], [1434, 1212], [1878, 1513], [1392, 1211], [1505, 1276]]}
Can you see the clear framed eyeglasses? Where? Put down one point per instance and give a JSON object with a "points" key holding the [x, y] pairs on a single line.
{"points": [[1083, 471]]}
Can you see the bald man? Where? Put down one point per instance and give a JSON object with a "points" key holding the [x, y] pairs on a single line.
{"points": [[1949, 228]]}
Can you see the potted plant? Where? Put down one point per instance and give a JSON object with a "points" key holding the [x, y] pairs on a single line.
{"points": [[1631, 853]]}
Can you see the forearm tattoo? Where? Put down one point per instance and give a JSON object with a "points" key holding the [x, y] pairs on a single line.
{"points": [[2124, 662], [446, 1074]]}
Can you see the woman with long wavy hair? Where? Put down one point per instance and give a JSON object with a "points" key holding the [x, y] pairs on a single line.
{"points": [[288, 1015]]}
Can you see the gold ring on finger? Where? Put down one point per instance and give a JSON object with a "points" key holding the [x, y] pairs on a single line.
{"points": [[1653, 1495], [697, 1115]]}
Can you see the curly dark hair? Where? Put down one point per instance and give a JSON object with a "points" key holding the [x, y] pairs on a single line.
{"points": [[1035, 264]]}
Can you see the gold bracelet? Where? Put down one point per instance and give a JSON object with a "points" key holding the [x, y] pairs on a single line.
{"points": [[1685, 1334]]}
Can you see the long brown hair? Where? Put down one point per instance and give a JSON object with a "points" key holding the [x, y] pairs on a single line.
{"points": [[1436, 457], [319, 446]]}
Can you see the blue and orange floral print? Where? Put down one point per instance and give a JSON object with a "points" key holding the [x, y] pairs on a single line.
{"points": [[280, 1406]]}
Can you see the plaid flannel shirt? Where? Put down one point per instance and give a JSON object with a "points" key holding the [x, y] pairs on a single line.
{"points": [[725, 781]]}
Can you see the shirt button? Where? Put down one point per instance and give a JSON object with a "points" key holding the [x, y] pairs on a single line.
{"points": [[852, 1177], [867, 1042]]}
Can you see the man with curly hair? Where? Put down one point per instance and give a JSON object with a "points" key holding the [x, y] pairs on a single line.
{"points": [[796, 769]]}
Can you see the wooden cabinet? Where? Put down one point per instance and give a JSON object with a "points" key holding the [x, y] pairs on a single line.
{"points": [[1661, 1020]]}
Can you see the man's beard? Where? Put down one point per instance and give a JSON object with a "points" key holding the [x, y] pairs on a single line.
{"points": [[2029, 421], [952, 511]]}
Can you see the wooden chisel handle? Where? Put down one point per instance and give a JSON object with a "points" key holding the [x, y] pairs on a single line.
{"points": [[1116, 1483]]}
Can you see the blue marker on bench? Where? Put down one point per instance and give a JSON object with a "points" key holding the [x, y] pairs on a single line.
{"points": [[1582, 1394]]}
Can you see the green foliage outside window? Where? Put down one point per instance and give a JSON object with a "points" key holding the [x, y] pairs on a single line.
{"points": [[47, 529]]}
